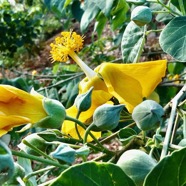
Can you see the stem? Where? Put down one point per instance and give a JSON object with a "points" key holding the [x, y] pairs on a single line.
{"points": [[36, 158], [87, 132], [107, 139], [37, 172], [77, 131], [181, 7], [184, 126], [175, 100], [93, 137], [21, 182], [61, 82], [149, 31], [141, 46], [36, 149], [168, 8], [176, 122], [88, 71]]}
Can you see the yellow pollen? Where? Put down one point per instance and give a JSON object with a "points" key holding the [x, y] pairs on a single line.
{"points": [[63, 45]]}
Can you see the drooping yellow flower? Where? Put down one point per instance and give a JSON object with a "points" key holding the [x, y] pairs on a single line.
{"points": [[128, 83], [18, 107]]}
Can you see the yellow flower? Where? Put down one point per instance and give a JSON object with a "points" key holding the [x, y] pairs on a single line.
{"points": [[128, 83], [34, 72], [18, 107]]}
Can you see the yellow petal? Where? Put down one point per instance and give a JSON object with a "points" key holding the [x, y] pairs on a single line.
{"points": [[8, 122], [100, 96], [130, 83], [14, 101]]}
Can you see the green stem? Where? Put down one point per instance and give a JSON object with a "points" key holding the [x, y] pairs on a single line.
{"points": [[39, 159], [184, 126], [36, 149], [176, 123], [141, 46], [61, 82], [181, 94], [77, 131], [181, 7], [87, 132], [37, 172], [168, 8], [107, 139], [150, 31], [93, 137]]}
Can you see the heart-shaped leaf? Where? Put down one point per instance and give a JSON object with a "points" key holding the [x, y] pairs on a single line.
{"points": [[173, 38], [93, 174], [169, 171]]}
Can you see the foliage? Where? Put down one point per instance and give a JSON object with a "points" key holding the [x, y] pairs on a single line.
{"points": [[85, 127]]}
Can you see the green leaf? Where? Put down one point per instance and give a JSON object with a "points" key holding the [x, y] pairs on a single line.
{"points": [[104, 6], [57, 6], [173, 38], [132, 42], [100, 24], [176, 3], [119, 14], [93, 174], [91, 11], [169, 171]]}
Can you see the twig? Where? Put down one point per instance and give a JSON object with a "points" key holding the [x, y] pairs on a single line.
{"points": [[174, 102]]}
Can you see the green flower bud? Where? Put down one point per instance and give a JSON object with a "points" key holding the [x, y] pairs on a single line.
{"points": [[83, 101], [83, 151], [56, 114], [34, 140], [6, 163], [106, 117], [136, 164], [141, 15], [65, 153], [136, 2], [148, 115]]}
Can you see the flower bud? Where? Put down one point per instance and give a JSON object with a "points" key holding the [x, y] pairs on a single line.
{"points": [[6, 163], [83, 101], [106, 117], [56, 114], [147, 115], [65, 153], [141, 15], [83, 151], [136, 164]]}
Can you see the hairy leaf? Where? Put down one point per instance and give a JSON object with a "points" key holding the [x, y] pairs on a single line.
{"points": [[131, 42], [173, 38]]}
